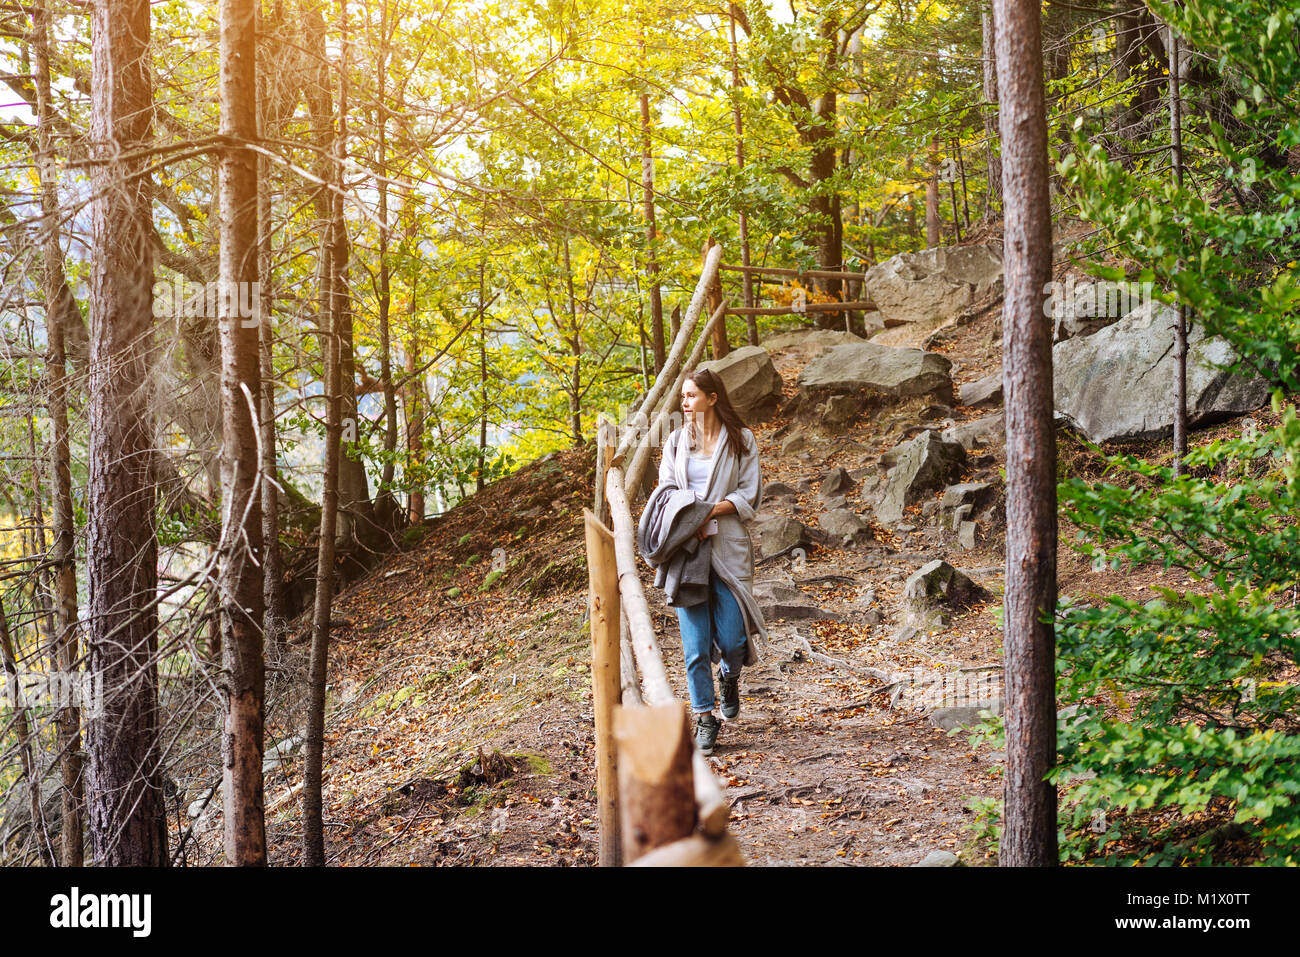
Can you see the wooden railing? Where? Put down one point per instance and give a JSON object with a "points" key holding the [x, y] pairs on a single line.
{"points": [[659, 801]]}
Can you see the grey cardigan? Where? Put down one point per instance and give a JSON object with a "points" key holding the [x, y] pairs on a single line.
{"points": [[666, 537], [737, 479]]}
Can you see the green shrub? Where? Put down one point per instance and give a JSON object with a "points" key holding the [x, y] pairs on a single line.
{"points": [[1175, 713]]}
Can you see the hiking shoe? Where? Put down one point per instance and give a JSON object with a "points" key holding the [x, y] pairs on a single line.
{"points": [[706, 732], [730, 687]]}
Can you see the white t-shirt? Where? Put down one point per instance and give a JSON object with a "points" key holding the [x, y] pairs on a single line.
{"points": [[697, 472]]}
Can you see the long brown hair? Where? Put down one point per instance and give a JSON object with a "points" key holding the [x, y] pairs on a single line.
{"points": [[710, 383]]}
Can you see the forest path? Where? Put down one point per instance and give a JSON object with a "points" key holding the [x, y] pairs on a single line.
{"points": [[820, 766], [435, 669]]}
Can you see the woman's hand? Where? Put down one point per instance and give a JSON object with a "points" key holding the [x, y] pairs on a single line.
{"points": [[721, 508]]}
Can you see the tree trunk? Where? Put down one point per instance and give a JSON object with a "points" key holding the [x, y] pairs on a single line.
{"points": [[386, 502], [125, 799], [751, 322], [956, 212], [652, 260], [276, 616], [1180, 321], [575, 350], [413, 383], [330, 131], [913, 231], [240, 579], [479, 479], [1029, 825], [313, 834], [933, 224], [334, 361], [992, 154], [414, 415], [58, 304], [965, 194]]}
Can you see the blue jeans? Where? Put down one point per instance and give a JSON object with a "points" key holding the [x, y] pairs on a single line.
{"points": [[717, 621]]}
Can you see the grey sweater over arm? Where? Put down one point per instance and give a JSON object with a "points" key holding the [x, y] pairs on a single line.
{"points": [[735, 478]]}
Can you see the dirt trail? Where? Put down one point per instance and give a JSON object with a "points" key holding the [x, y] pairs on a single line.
{"points": [[461, 730], [472, 640], [820, 766]]}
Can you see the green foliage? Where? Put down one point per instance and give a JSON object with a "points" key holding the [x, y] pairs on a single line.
{"points": [[1181, 732], [1175, 706], [985, 830], [1229, 253]]}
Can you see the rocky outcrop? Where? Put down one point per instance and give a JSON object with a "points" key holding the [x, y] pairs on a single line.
{"points": [[936, 589], [985, 391], [933, 284], [978, 495], [810, 342], [836, 482], [781, 534], [977, 433], [840, 411], [1118, 383], [884, 369], [962, 504], [917, 468], [782, 600], [1088, 307], [845, 527], [798, 443], [752, 382]]}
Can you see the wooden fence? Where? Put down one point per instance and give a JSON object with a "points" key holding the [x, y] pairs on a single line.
{"points": [[659, 801]]}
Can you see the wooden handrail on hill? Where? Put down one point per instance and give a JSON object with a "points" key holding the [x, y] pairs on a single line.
{"points": [[659, 801]]}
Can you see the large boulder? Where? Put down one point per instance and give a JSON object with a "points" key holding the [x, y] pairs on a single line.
{"points": [[977, 433], [917, 468], [933, 284], [781, 534], [1085, 308], [753, 384], [810, 342], [936, 589], [887, 369], [844, 525], [985, 391], [1118, 383]]}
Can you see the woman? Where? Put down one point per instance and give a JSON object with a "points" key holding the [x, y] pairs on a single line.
{"points": [[716, 457]]}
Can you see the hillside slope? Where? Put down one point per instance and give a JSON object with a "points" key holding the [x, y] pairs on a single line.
{"points": [[460, 724]]}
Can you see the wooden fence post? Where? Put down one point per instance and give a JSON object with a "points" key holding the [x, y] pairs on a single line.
{"points": [[720, 345], [604, 606], [606, 445], [655, 781]]}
